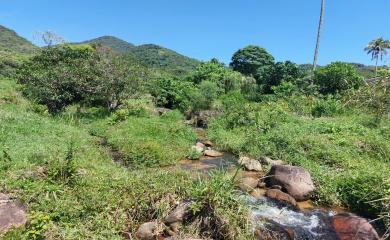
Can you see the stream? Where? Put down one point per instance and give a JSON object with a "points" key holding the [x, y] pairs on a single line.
{"points": [[282, 220]]}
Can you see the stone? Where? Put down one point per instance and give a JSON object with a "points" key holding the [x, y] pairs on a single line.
{"points": [[258, 193], [160, 111], [147, 231], [261, 184], [212, 153], [12, 213], [197, 149], [199, 144], [349, 226], [280, 196], [269, 161], [179, 213], [248, 184], [208, 143], [274, 230], [250, 164], [296, 181]]}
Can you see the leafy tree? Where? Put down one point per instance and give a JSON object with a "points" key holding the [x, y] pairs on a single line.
{"points": [[216, 72], [279, 72], [251, 61], [337, 77], [377, 48], [63, 75]]}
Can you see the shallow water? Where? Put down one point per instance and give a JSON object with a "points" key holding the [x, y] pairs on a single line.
{"points": [[314, 224], [206, 164]]}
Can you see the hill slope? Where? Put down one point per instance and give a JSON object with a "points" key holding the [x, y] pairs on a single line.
{"points": [[114, 43], [149, 54], [11, 42]]}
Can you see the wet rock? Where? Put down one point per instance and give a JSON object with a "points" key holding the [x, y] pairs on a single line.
{"points": [[348, 226], [147, 231], [276, 187], [258, 193], [248, 184], [208, 143], [250, 164], [261, 184], [274, 230], [296, 181], [12, 213], [212, 153], [179, 213], [280, 196], [269, 161]]}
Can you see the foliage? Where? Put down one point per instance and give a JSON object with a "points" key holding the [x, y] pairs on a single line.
{"points": [[325, 107], [64, 75], [278, 73], [337, 77], [377, 48], [38, 223], [217, 199], [251, 60], [347, 158]]}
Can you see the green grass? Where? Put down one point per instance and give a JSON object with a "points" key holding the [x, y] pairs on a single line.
{"points": [[74, 190], [348, 158]]}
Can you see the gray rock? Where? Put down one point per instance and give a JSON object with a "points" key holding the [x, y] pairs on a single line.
{"points": [[147, 231], [250, 164], [269, 161], [12, 213], [296, 181], [179, 213]]}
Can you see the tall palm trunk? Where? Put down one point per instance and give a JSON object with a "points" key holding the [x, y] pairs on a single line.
{"points": [[319, 35], [376, 67]]}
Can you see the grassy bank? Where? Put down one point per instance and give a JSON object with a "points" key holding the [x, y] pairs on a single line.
{"points": [[347, 154]]}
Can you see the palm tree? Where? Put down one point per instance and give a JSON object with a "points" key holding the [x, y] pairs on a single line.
{"points": [[319, 34], [377, 48]]}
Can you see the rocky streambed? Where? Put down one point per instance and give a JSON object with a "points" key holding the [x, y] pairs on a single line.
{"points": [[280, 199]]}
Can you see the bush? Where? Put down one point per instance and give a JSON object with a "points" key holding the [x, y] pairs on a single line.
{"points": [[325, 107], [337, 77]]}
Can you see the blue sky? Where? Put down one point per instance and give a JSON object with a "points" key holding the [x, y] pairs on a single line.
{"points": [[212, 28]]}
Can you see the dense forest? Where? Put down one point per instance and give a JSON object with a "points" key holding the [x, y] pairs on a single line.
{"points": [[94, 137]]}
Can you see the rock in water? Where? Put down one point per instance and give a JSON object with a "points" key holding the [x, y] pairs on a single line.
{"points": [[248, 184], [213, 153], [147, 231], [280, 196], [269, 161], [12, 213], [348, 226], [296, 181], [250, 164]]}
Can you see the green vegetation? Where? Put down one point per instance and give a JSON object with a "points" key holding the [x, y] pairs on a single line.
{"points": [[11, 43], [84, 145]]}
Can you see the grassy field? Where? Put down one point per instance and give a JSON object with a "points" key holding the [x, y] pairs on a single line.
{"points": [[74, 190]]}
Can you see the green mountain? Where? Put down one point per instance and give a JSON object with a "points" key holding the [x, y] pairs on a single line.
{"points": [[12, 43], [114, 43], [149, 54]]}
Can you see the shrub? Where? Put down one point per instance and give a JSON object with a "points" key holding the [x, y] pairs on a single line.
{"points": [[325, 107], [337, 77]]}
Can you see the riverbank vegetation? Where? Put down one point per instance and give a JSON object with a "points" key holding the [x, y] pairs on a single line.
{"points": [[90, 138]]}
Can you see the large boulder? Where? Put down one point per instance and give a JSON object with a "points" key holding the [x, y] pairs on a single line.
{"points": [[147, 231], [296, 181], [348, 226], [12, 213], [280, 196], [250, 164]]}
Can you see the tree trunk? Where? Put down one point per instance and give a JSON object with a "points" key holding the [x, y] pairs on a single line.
{"points": [[376, 67], [319, 35]]}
